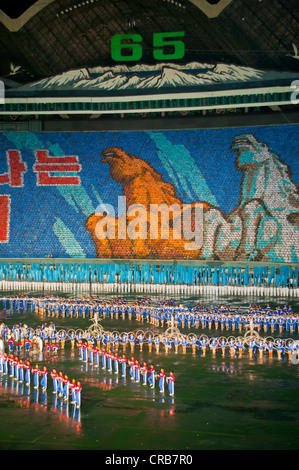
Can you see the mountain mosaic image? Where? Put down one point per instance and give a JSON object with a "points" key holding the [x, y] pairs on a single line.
{"points": [[264, 226], [160, 76]]}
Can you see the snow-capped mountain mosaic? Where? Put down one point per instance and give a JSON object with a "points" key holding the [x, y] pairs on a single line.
{"points": [[143, 78]]}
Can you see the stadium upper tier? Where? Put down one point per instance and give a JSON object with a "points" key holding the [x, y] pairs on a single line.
{"points": [[74, 195], [56, 274]]}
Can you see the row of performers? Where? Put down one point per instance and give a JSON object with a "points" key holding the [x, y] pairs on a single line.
{"points": [[16, 369], [121, 305], [235, 346], [20, 331], [222, 318], [113, 363], [174, 342]]}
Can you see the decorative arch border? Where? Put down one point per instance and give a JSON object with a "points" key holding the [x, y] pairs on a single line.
{"points": [[15, 24], [211, 11]]}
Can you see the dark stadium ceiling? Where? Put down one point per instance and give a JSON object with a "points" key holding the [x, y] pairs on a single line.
{"points": [[54, 36]]}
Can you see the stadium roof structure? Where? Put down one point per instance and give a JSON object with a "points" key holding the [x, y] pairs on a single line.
{"points": [[57, 55]]}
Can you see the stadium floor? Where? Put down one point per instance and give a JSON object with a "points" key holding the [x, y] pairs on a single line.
{"points": [[219, 403]]}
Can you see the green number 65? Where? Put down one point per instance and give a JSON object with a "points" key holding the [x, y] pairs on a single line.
{"points": [[161, 40], [132, 50]]}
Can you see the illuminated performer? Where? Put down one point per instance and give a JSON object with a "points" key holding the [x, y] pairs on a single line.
{"points": [[80, 347], [251, 346], [266, 322], [150, 342], [60, 384], [246, 322], [123, 365], [72, 337], [280, 348], [184, 344], [78, 394], [161, 380], [90, 339], [130, 311], [5, 364], [170, 380], [15, 368], [66, 382], [109, 361], [123, 312], [19, 347], [91, 354], [79, 336], [132, 341], [289, 348], [98, 339], [261, 347], [137, 371], [176, 344], [35, 373], [11, 365], [115, 362], [291, 324], [131, 364], [213, 345], [124, 339], [223, 346], [239, 322], [194, 344], [144, 373], [272, 322], [54, 376], [27, 343], [240, 346], [104, 358], [72, 386], [21, 371], [151, 378], [62, 339], [196, 320], [27, 368], [116, 341], [11, 343], [157, 343], [44, 377], [232, 347], [203, 344], [182, 319], [141, 340], [280, 322], [166, 344], [85, 352], [269, 346], [96, 353]]}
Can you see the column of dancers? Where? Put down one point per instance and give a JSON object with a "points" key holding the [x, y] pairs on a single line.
{"points": [[113, 363], [22, 371]]}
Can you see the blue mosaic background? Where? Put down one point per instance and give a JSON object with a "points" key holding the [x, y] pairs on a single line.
{"points": [[199, 163]]}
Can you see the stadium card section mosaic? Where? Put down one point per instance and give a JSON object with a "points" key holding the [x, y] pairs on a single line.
{"points": [[51, 185]]}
